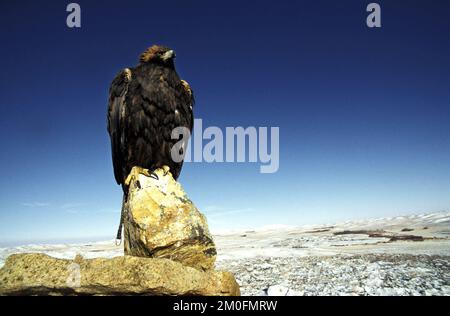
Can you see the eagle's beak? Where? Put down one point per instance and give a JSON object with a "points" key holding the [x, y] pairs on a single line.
{"points": [[168, 55]]}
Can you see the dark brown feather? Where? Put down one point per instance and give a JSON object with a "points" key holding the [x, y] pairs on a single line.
{"points": [[141, 117]]}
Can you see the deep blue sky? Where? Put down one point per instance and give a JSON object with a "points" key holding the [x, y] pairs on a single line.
{"points": [[364, 114]]}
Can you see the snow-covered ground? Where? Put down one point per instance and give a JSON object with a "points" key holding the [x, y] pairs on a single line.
{"points": [[405, 255], [350, 237], [366, 257]]}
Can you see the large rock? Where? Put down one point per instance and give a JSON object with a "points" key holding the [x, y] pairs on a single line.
{"points": [[39, 274], [160, 221]]}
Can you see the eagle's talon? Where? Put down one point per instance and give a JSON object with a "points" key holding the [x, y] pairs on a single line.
{"points": [[128, 180], [153, 175], [166, 170], [134, 174]]}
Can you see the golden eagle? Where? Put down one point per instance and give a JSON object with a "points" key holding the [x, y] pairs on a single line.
{"points": [[145, 104]]}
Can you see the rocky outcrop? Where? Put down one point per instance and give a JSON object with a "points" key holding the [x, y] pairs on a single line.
{"points": [[168, 251], [39, 274], [160, 221]]}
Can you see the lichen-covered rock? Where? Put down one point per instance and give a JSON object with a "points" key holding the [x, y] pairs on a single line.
{"points": [[160, 221], [39, 274]]}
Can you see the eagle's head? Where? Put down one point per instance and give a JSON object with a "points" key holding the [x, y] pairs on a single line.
{"points": [[158, 54]]}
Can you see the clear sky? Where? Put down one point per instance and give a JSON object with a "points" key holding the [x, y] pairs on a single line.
{"points": [[364, 114]]}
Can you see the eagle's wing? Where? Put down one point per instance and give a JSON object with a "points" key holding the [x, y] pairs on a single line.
{"points": [[190, 93], [116, 114], [188, 121]]}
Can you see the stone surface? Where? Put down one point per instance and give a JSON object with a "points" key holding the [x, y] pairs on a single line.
{"points": [[162, 222], [39, 274]]}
